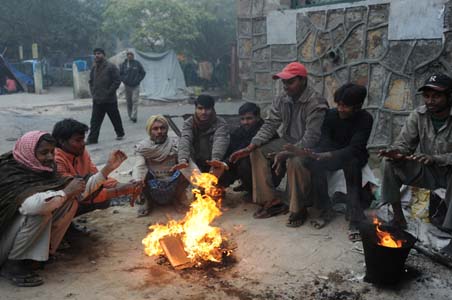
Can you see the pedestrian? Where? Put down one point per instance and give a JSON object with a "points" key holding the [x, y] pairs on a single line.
{"points": [[132, 73], [103, 83]]}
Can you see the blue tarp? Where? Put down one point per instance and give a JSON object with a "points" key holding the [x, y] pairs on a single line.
{"points": [[22, 79]]}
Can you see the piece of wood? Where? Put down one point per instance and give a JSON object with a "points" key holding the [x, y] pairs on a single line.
{"points": [[174, 250], [434, 256]]}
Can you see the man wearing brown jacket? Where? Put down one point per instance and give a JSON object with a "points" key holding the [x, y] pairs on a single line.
{"points": [[297, 116]]}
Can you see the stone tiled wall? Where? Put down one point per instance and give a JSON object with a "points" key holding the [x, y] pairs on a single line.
{"points": [[341, 45]]}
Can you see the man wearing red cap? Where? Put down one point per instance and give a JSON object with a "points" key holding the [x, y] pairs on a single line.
{"points": [[297, 116], [429, 129]]}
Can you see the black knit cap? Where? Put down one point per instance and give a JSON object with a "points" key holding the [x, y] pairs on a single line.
{"points": [[99, 50], [350, 94], [205, 100]]}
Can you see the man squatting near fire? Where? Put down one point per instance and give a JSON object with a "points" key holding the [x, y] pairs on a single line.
{"points": [[155, 158], [429, 129], [204, 139], [299, 112], [37, 205], [342, 146], [73, 160]]}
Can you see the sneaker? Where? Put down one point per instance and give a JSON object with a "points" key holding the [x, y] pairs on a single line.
{"points": [[118, 138]]}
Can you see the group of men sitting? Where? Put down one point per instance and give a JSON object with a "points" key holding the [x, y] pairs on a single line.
{"points": [[48, 179]]}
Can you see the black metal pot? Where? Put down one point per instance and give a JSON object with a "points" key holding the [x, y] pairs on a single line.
{"points": [[385, 265]]}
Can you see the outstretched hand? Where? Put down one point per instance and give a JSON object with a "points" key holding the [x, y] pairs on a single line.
{"points": [[179, 166], [421, 158], [279, 159], [217, 167], [239, 154], [392, 154], [297, 151], [136, 187], [116, 158]]}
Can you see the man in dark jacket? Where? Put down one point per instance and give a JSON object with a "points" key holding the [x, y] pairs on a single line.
{"points": [[103, 83], [132, 73], [342, 146], [250, 123]]}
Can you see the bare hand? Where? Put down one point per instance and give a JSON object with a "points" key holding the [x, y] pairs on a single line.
{"points": [[137, 187], [179, 166], [279, 159], [75, 188], [217, 167], [116, 158], [297, 150], [239, 154], [422, 158], [321, 156], [393, 154]]}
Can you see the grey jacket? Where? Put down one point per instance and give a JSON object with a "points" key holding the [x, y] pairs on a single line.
{"points": [[304, 130], [211, 144], [419, 131], [103, 82]]}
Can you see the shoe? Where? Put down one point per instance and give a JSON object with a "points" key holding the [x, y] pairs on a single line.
{"points": [[90, 142], [133, 120], [118, 138]]}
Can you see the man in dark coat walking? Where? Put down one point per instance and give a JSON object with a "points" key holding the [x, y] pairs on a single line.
{"points": [[132, 73], [104, 81]]}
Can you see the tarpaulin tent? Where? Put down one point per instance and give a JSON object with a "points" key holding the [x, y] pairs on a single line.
{"points": [[6, 71], [164, 77]]}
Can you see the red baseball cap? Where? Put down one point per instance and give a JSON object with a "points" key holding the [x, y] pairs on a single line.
{"points": [[291, 70]]}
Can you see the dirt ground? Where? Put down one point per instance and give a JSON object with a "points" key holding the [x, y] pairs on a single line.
{"points": [[271, 260]]}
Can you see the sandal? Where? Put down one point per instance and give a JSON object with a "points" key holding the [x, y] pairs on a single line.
{"points": [[275, 210], [20, 275], [354, 235], [297, 219], [324, 219]]}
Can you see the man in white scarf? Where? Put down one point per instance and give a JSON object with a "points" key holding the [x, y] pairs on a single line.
{"points": [[155, 156]]}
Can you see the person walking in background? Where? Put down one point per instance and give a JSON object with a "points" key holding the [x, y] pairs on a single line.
{"points": [[132, 73], [103, 82]]}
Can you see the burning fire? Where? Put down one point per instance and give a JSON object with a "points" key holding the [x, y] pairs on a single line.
{"points": [[200, 240], [385, 238]]}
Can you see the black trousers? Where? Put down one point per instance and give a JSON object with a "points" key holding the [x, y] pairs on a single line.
{"points": [[97, 117], [353, 178], [242, 170]]}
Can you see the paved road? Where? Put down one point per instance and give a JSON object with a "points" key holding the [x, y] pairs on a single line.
{"points": [[20, 117]]}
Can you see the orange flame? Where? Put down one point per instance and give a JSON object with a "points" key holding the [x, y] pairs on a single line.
{"points": [[386, 239], [201, 241]]}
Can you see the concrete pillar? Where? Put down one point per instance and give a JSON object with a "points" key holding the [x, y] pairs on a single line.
{"points": [[80, 83], [38, 78]]}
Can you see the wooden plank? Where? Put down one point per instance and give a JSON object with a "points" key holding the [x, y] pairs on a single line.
{"points": [[175, 252]]}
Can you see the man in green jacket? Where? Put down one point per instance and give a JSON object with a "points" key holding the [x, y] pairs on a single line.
{"points": [[429, 129]]}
